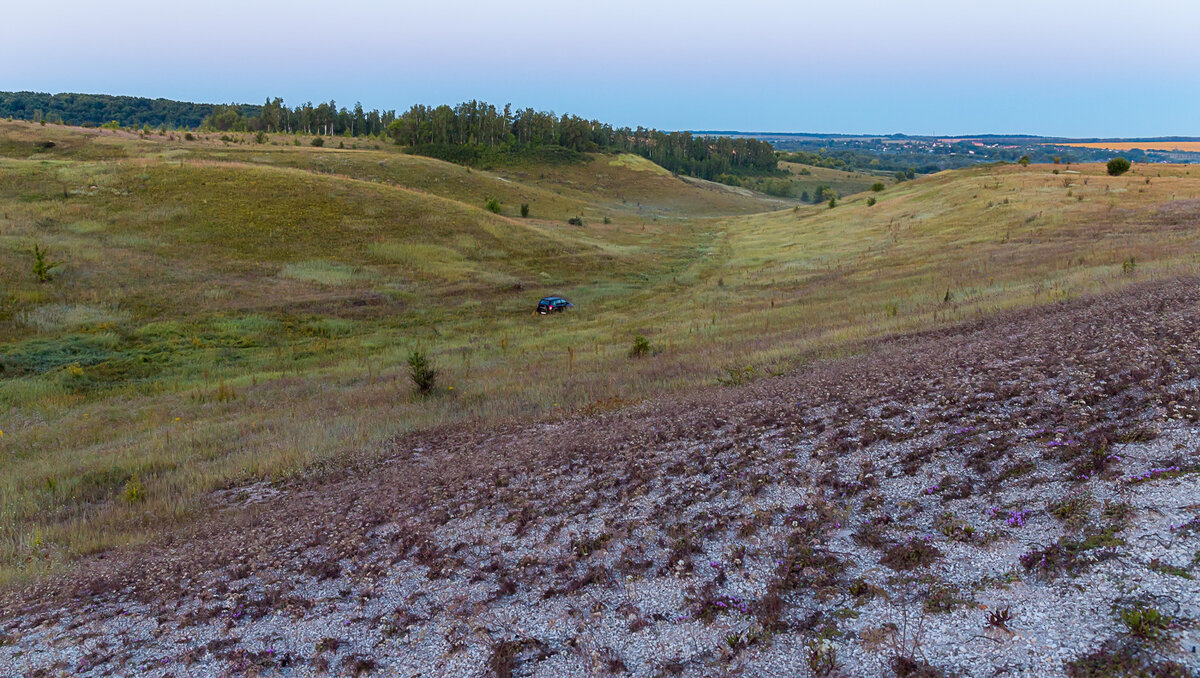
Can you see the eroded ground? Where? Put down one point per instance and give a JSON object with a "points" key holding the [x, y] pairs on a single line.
{"points": [[1017, 497]]}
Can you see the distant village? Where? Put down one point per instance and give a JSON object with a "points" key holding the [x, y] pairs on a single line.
{"points": [[930, 154]]}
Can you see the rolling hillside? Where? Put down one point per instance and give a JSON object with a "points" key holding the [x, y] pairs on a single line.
{"points": [[230, 313], [807, 179]]}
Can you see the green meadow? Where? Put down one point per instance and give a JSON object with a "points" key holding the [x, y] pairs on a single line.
{"points": [[225, 313]]}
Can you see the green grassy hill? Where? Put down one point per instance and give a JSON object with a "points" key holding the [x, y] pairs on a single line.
{"points": [[228, 313], [807, 178]]}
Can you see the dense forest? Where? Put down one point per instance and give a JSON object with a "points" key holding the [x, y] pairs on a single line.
{"points": [[93, 110], [473, 132]]}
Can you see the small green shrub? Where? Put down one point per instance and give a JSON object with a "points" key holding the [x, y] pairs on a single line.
{"points": [[954, 528], [878, 186], [134, 491], [833, 202], [422, 372], [1128, 266], [1024, 161], [1118, 166], [41, 265], [1073, 510], [641, 347], [871, 201], [493, 205], [260, 137], [737, 376], [524, 210], [575, 221], [1145, 622], [317, 141]]}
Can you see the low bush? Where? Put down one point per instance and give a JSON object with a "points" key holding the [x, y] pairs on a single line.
{"points": [[134, 491], [1126, 659], [422, 372], [914, 553], [41, 265], [1145, 621], [1118, 166], [641, 347]]}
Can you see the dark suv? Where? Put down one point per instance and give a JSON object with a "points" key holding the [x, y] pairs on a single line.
{"points": [[553, 305]]}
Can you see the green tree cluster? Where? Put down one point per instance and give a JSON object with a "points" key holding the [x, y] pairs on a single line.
{"points": [[1118, 166], [471, 130]]}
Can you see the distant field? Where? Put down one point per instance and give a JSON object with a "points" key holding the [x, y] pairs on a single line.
{"points": [[227, 314], [1182, 146]]}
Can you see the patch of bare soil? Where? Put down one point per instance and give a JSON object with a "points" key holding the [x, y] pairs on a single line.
{"points": [[1017, 497]]}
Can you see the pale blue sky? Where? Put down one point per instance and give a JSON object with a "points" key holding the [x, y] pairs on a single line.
{"points": [[1051, 67]]}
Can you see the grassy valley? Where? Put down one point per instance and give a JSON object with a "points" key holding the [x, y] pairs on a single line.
{"points": [[230, 313]]}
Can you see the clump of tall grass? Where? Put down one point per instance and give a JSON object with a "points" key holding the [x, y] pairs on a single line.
{"points": [[320, 272]]}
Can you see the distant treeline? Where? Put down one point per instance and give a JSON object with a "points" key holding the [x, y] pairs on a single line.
{"points": [[275, 116], [473, 132], [93, 110]]}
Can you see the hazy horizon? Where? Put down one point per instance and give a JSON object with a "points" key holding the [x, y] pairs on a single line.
{"points": [[932, 67]]}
